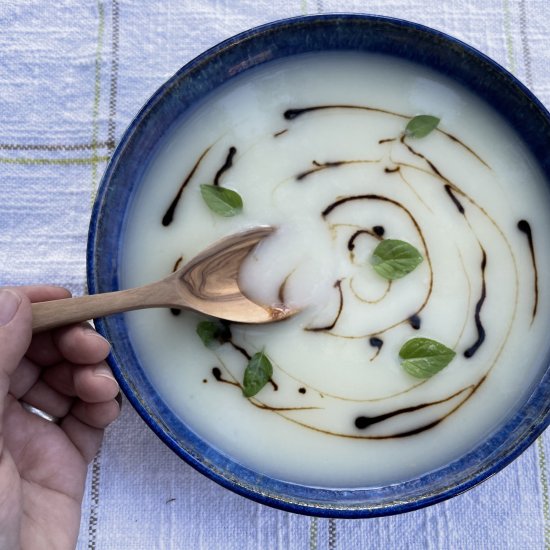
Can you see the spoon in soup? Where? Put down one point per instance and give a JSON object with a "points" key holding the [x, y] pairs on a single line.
{"points": [[207, 284]]}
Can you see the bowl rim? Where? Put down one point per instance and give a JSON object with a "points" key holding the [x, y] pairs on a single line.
{"points": [[303, 505]]}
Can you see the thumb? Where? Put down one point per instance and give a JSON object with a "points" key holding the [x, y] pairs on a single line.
{"points": [[15, 330]]}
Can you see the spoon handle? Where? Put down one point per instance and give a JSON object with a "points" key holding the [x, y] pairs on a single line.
{"points": [[57, 313]]}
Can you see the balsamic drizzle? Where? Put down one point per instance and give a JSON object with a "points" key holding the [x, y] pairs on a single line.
{"points": [[282, 288], [471, 389], [377, 343], [423, 157], [373, 300], [280, 133], [450, 188], [337, 285], [319, 166], [265, 407], [168, 217], [359, 232], [457, 203], [415, 321], [291, 114], [240, 349], [217, 374], [479, 325], [350, 198], [226, 165], [363, 422], [525, 227]]}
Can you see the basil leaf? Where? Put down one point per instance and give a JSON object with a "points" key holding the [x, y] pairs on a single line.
{"points": [[222, 201], [421, 125], [422, 357], [257, 374], [213, 333], [393, 259]]}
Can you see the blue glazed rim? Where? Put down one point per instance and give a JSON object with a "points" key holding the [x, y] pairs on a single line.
{"points": [[137, 147]]}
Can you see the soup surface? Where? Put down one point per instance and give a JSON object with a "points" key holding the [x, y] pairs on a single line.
{"points": [[315, 145]]}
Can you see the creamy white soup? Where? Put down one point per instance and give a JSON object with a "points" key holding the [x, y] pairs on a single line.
{"points": [[315, 145]]}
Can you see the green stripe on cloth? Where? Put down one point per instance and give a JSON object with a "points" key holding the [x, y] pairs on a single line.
{"points": [[525, 42], [543, 477], [114, 74], [508, 34], [82, 160], [55, 146], [313, 534]]}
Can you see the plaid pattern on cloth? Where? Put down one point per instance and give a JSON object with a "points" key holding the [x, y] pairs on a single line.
{"points": [[72, 75]]}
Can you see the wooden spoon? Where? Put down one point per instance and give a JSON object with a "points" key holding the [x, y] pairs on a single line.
{"points": [[208, 283]]}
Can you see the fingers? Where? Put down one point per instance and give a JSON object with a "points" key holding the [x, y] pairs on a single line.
{"points": [[56, 390], [42, 293], [15, 330], [85, 424], [76, 344], [24, 378], [44, 397], [84, 396], [85, 438], [96, 415], [91, 383], [97, 407], [79, 344], [60, 377], [62, 372], [42, 349], [95, 384]]}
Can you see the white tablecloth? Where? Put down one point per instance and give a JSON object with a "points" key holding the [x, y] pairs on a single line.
{"points": [[72, 75]]}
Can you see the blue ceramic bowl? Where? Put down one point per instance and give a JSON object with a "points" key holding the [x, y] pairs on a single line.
{"points": [[125, 172]]}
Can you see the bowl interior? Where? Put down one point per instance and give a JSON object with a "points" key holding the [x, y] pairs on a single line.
{"points": [[139, 145]]}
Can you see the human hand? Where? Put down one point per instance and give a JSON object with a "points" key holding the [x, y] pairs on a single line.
{"points": [[43, 464]]}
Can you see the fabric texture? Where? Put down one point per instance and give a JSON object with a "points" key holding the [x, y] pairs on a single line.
{"points": [[72, 76]]}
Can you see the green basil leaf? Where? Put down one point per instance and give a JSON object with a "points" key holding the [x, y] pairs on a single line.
{"points": [[422, 357], [221, 200], [257, 374], [213, 333], [421, 125], [393, 259]]}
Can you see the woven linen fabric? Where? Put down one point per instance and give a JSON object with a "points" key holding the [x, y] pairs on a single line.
{"points": [[72, 76]]}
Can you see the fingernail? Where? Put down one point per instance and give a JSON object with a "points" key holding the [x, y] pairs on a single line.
{"points": [[9, 303], [90, 330], [105, 371]]}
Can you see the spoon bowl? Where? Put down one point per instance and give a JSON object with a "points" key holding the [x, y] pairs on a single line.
{"points": [[207, 284]]}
